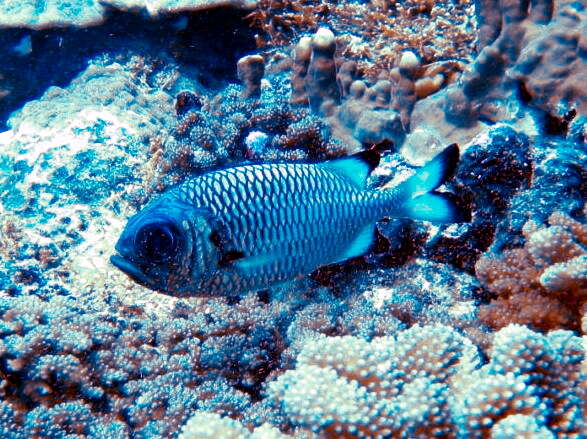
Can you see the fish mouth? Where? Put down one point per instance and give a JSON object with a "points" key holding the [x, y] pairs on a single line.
{"points": [[132, 271]]}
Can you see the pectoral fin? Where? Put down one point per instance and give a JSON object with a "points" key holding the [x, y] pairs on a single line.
{"points": [[230, 257], [251, 263]]}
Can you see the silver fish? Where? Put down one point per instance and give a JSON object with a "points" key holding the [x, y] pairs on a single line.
{"points": [[249, 227]]}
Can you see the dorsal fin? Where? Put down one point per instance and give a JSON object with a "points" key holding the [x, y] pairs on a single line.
{"points": [[356, 167]]}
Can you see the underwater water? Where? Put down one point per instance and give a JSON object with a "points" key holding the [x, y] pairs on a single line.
{"points": [[293, 219]]}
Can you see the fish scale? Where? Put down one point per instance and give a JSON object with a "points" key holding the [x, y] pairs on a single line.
{"points": [[271, 211], [249, 227]]}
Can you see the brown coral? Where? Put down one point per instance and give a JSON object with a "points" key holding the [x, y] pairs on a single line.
{"points": [[552, 66], [542, 284], [392, 28], [361, 113]]}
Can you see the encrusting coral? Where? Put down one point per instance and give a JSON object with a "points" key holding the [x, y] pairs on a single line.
{"points": [[542, 284]]}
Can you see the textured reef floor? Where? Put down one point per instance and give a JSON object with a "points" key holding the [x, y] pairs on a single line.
{"points": [[474, 330]]}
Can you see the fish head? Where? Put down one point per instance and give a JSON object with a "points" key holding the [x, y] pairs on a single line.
{"points": [[167, 248]]}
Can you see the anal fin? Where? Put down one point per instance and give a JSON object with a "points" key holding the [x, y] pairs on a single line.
{"points": [[360, 244]]}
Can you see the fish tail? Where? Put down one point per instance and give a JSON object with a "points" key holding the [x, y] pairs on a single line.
{"points": [[417, 197]]}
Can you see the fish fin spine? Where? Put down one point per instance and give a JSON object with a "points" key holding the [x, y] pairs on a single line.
{"points": [[356, 167]]}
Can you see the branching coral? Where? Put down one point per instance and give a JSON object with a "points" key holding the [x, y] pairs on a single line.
{"points": [[392, 27], [542, 284], [103, 367], [216, 131], [429, 382]]}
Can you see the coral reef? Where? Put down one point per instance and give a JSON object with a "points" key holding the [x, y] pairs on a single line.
{"points": [[57, 13], [492, 171], [111, 370], [527, 51], [438, 331], [542, 284], [59, 176], [218, 133], [360, 113], [392, 28], [427, 382]]}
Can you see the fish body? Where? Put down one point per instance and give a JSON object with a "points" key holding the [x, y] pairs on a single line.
{"points": [[253, 226]]}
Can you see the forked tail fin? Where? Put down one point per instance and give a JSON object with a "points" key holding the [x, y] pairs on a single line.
{"points": [[417, 198]]}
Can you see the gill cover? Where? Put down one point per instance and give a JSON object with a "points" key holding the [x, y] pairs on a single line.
{"points": [[164, 245]]}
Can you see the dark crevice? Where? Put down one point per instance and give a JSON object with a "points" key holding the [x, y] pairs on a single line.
{"points": [[209, 41]]}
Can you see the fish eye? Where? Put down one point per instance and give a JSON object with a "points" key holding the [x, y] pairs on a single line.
{"points": [[157, 242]]}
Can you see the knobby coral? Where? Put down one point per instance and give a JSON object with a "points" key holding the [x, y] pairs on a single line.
{"points": [[373, 34], [361, 111], [532, 53]]}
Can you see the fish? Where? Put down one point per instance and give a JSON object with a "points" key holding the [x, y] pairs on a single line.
{"points": [[252, 226]]}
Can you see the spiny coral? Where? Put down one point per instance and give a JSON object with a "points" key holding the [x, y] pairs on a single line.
{"points": [[542, 284], [429, 382]]}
